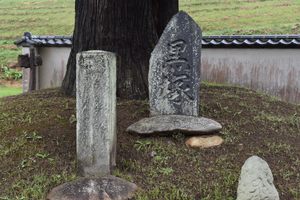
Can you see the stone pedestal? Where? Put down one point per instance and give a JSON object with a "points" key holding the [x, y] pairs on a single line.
{"points": [[104, 188], [96, 113]]}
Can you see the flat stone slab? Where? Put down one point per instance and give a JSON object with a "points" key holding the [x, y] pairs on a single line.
{"points": [[204, 141], [105, 188], [173, 123]]}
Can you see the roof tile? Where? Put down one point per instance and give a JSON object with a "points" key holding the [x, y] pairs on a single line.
{"points": [[217, 41]]}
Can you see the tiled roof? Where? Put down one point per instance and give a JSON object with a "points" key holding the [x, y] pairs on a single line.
{"points": [[29, 40], [252, 41], [221, 41]]}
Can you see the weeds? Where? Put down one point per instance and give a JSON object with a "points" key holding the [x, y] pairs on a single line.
{"points": [[166, 171], [10, 74], [32, 136], [142, 145]]}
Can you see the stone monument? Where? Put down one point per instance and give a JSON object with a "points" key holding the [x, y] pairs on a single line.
{"points": [[174, 82], [96, 132], [174, 76], [96, 112]]}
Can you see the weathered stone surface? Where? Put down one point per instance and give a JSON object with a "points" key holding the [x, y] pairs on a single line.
{"points": [[96, 112], [106, 188], [204, 141], [256, 181], [172, 123], [174, 75]]}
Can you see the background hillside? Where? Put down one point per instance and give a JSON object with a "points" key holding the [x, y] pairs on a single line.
{"points": [[56, 17], [214, 16]]}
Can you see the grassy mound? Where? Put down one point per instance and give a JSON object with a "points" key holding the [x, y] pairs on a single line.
{"points": [[37, 146]]}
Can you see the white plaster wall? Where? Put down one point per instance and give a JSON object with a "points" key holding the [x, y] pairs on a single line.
{"points": [[53, 70], [274, 71]]}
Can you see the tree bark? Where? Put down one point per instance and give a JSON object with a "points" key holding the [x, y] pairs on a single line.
{"points": [[130, 28], [164, 11]]}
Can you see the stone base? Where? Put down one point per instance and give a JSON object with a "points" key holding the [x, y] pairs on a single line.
{"points": [[105, 188], [171, 123]]}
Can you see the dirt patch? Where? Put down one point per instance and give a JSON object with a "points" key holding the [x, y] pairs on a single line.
{"points": [[11, 83], [254, 124]]}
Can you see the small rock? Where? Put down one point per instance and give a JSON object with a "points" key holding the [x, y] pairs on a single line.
{"points": [[153, 154], [204, 142], [175, 123], [256, 181], [105, 188]]}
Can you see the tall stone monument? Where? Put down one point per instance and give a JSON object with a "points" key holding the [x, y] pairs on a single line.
{"points": [[96, 132], [96, 112], [174, 82], [174, 76]]}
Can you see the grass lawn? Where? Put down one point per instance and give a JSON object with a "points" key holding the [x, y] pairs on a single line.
{"points": [[214, 16], [9, 91], [38, 135], [56, 17]]}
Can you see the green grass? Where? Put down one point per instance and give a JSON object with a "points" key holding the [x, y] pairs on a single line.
{"points": [[214, 16], [8, 52], [37, 16], [43, 17], [245, 17], [9, 91], [56, 17]]}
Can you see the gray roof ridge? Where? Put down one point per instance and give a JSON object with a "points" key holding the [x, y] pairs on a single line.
{"points": [[210, 41]]}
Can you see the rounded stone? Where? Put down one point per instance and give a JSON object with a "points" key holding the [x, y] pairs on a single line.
{"points": [[256, 181], [204, 141]]}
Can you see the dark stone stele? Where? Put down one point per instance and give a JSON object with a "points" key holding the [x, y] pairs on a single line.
{"points": [[174, 75]]}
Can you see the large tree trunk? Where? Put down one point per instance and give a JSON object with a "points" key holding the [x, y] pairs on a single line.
{"points": [[130, 28], [164, 10]]}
